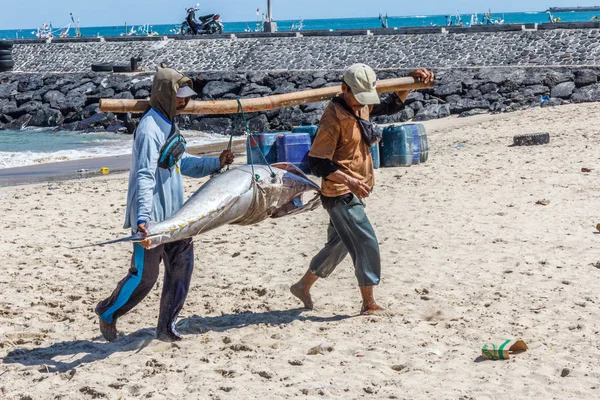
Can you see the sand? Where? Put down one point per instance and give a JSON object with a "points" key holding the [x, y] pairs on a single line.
{"points": [[468, 257]]}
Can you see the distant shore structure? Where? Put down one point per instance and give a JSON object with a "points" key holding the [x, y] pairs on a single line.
{"points": [[576, 9]]}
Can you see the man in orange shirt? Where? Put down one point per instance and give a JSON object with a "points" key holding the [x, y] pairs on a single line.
{"points": [[340, 155]]}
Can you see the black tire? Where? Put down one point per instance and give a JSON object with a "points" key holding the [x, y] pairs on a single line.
{"points": [[6, 65], [5, 45], [531, 139], [121, 68], [6, 58], [102, 67], [5, 53]]}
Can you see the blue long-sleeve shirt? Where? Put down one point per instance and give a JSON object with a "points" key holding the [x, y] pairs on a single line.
{"points": [[155, 193]]}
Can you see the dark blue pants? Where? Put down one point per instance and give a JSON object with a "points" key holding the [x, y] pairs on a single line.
{"points": [[178, 258], [349, 231]]}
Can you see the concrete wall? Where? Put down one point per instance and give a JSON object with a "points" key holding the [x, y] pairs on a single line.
{"points": [[461, 47]]}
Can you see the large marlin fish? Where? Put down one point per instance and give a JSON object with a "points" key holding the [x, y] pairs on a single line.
{"points": [[242, 196]]}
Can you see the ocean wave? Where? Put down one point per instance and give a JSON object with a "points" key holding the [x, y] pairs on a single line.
{"points": [[98, 148]]}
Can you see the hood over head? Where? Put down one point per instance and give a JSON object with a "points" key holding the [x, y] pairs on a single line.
{"points": [[164, 91]]}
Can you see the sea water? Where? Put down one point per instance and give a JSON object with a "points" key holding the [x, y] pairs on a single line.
{"points": [[37, 146], [326, 24]]}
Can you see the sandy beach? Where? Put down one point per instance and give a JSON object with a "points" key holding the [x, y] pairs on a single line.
{"points": [[468, 258]]}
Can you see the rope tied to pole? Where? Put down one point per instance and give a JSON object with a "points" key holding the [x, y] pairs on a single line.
{"points": [[241, 117]]}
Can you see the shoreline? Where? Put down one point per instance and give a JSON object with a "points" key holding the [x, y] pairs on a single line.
{"points": [[68, 170]]}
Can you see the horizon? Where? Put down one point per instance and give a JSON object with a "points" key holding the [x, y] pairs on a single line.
{"points": [[241, 11]]}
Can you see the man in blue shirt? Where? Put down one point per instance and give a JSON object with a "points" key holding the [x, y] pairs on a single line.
{"points": [[155, 193]]}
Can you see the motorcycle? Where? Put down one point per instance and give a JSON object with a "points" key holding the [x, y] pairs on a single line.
{"points": [[205, 25]]}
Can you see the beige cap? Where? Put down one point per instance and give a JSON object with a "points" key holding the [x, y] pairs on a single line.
{"points": [[185, 91], [362, 80]]}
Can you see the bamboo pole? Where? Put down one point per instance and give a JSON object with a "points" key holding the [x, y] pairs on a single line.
{"points": [[260, 103]]}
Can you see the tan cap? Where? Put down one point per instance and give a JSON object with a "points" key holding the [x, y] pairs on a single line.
{"points": [[185, 91], [363, 82]]}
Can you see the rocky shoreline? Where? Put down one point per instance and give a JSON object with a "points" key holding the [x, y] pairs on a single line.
{"points": [[70, 101]]}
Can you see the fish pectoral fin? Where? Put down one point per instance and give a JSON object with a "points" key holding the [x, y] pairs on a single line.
{"points": [[296, 206], [291, 168]]}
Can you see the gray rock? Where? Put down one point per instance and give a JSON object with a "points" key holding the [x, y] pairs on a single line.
{"points": [[259, 123], [468, 104], [26, 97], [539, 89], [116, 126], [488, 88], [414, 96], [405, 115], [30, 83], [317, 83], [18, 124], [454, 98], [142, 94], [498, 106], [472, 94], [99, 119], [254, 88], [314, 107], [88, 111], [287, 87], [289, 117], [585, 77], [213, 125], [416, 106], [124, 96], [448, 89], [28, 108], [82, 90], [216, 89], [586, 94], [493, 97], [7, 107], [145, 84], [47, 117], [119, 83], [533, 78], [492, 76], [71, 104], [433, 112], [553, 78], [54, 98], [7, 90], [470, 113], [509, 86], [563, 90], [311, 118], [257, 77], [552, 102]]}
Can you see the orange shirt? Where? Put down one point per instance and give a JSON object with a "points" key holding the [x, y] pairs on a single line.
{"points": [[339, 139]]}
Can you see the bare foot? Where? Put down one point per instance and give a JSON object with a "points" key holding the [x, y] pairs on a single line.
{"points": [[304, 295], [371, 309], [108, 330]]}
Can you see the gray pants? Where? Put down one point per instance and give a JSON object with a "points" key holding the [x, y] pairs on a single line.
{"points": [[351, 232]]}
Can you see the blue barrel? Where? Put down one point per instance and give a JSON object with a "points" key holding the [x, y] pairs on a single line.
{"points": [[310, 129], [265, 143], [397, 146], [293, 148], [375, 156], [424, 143], [420, 143]]}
